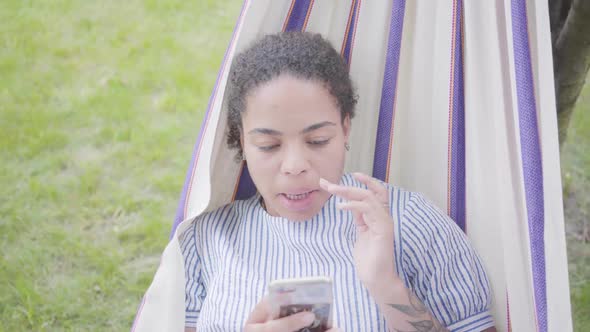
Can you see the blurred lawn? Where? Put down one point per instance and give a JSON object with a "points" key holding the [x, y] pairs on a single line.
{"points": [[575, 158], [100, 105]]}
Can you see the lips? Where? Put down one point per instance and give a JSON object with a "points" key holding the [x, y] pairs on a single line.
{"points": [[298, 200], [298, 196]]}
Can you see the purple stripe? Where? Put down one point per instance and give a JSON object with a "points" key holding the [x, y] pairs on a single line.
{"points": [[388, 90], [138, 313], [296, 20], [351, 29], [183, 196], [246, 187], [531, 156], [457, 194]]}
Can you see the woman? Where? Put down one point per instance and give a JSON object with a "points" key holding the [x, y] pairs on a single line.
{"points": [[398, 263]]}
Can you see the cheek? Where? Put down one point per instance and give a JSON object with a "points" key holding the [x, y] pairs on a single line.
{"points": [[260, 164], [329, 159], [258, 159]]}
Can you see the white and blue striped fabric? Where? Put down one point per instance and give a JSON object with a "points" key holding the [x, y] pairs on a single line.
{"points": [[232, 253]]}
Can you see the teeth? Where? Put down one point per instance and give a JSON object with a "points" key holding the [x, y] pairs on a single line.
{"points": [[297, 197]]}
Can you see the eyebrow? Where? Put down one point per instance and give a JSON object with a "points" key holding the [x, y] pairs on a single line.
{"points": [[272, 132]]}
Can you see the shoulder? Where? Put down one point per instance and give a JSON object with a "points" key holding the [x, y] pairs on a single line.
{"points": [[348, 179], [219, 219], [406, 204], [398, 197], [419, 221], [421, 214], [228, 211], [428, 235]]}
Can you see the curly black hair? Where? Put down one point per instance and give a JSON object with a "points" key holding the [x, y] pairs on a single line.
{"points": [[300, 54]]}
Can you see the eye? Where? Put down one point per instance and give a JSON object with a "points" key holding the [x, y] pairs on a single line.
{"points": [[319, 142], [268, 148]]}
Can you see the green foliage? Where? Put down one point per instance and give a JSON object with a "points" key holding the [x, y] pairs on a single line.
{"points": [[581, 307], [575, 158], [100, 105]]}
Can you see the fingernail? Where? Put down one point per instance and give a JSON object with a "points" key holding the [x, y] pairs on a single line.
{"points": [[324, 183], [308, 318]]}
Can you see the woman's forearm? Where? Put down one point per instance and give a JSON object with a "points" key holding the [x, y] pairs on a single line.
{"points": [[402, 309]]}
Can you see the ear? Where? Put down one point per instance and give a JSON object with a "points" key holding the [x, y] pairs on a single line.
{"points": [[346, 123]]}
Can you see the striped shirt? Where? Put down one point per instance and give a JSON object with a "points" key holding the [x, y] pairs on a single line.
{"points": [[233, 253]]}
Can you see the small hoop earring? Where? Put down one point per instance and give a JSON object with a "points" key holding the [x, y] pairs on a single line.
{"points": [[347, 146]]}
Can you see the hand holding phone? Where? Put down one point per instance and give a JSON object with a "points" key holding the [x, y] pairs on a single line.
{"points": [[293, 296], [262, 320]]}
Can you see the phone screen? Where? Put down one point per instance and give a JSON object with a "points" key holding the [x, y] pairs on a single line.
{"points": [[321, 311], [290, 296]]}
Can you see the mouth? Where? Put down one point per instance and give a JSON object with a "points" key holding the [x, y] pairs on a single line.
{"points": [[299, 200], [298, 196]]}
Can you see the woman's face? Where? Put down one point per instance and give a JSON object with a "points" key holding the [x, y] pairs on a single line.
{"points": [[293, 135]]}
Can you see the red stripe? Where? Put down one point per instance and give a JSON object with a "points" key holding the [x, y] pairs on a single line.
{"points": [[138, 313], [462, 22], [391, 130], [347, 27], [508, 313], [307, 16], [288, 15], [356, 20]]}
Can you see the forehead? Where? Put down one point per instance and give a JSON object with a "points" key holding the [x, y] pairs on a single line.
{"points": [[290, 103]]}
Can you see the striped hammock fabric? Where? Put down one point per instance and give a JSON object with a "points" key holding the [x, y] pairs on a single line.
{"points": [[456, 101]]}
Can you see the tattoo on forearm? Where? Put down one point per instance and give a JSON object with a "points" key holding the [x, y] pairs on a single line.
{"points": [[406, 309], [417, 309]]}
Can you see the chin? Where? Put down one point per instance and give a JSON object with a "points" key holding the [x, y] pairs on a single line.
{"points": [[302, 215], [299, 216], [304, 211]]}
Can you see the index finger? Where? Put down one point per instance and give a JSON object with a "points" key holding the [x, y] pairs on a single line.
{"points": [[373, 184], [346, 192]]}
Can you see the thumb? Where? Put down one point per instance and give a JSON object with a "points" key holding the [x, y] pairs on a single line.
{"points": [[291, 323]]}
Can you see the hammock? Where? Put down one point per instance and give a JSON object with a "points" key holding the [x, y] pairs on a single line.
{"points": [[456, 101]]}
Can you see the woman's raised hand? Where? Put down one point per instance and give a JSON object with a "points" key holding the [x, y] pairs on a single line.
{"points": [[373, 250]]}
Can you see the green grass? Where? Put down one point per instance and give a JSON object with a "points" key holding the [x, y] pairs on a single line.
{"points": [[575, 157], [100, 105]]}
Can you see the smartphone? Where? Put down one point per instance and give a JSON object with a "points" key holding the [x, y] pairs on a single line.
{"points": [[314, 294]]}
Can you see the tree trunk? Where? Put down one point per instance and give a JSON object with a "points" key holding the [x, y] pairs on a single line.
{"points": [[571, 56], [558, 10]]}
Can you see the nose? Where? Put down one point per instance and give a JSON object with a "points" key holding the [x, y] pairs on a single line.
{"points": [[294, 161]]}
